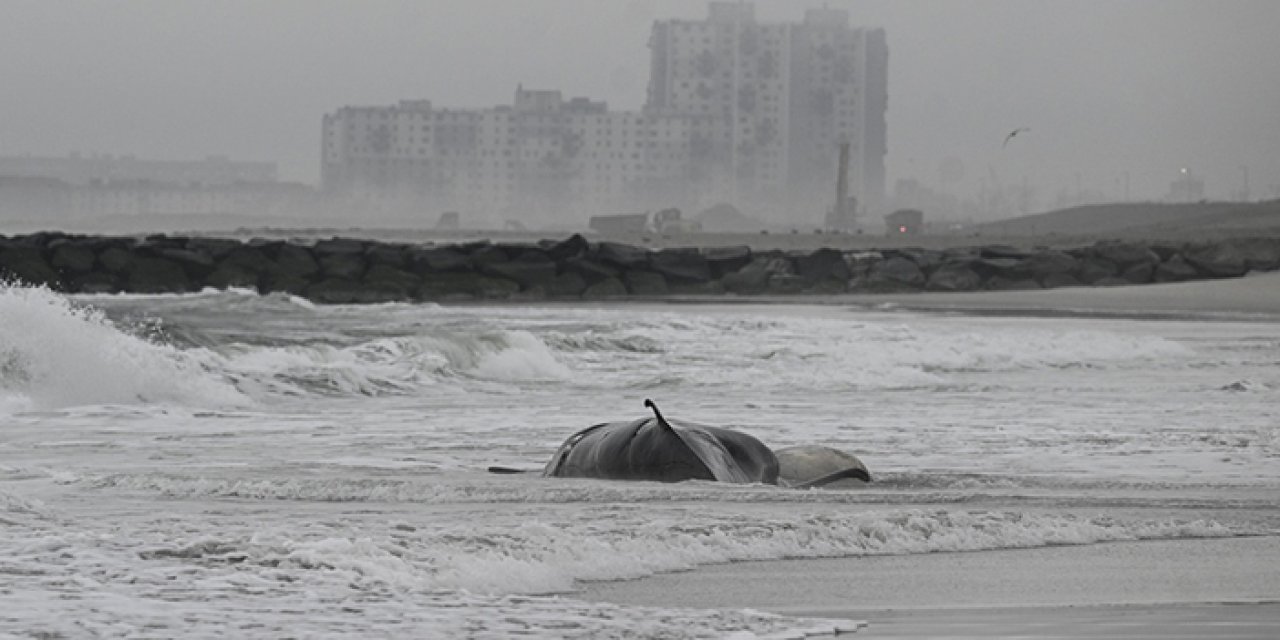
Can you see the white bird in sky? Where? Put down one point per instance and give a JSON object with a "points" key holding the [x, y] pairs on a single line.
{"points": [[1012, 134]]}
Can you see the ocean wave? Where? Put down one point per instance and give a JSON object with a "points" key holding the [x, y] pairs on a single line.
{"points": [[595, 341], [532, 557], [54, 353], [393, 364]]}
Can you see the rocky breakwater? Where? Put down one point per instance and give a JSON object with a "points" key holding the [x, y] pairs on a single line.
{"points": [[344, 270]]}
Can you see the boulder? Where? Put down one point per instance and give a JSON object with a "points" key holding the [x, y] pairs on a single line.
{"points": [[393, 255], [823, 264], [607, 288], [1092, 269], [895, 273], [1010, 268], [72, 257], [681, 266], [157, 275], [1175, 269], [384, 277], [1259, 254], [463, 285], [530, 273], [296, 262], [725, 260], [116, 260], [340, 258], [27, 264], [755, 276], [567, 285], [621, 255], [94, 282], [1140, 273], [786, 283], [439, 260], [245, 259], [1124, 254], [1056, 280], [1042, 264], [926, 259], [197, 264], [571, 247], [216, 248], [341, 266], [589, 269], [953, 276], [488, 254], [1217, 259], [644, 283]]}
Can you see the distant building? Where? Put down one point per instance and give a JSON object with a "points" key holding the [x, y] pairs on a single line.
{"points": [[539, 159], [1187, 188], [77, 188], [737, 112], [53, 200], [780, 97], [101, 169]]}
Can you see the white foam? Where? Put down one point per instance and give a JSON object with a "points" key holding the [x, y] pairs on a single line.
{"points": [[532, 557], [55, 354]]}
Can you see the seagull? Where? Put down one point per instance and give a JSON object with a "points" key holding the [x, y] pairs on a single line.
{"points": [[1012, 134]]}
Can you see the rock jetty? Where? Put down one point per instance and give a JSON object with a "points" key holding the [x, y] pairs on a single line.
{"points": [[346, 270]]}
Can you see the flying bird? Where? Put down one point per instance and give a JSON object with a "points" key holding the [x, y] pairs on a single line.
{"points": [[1012, 134]]}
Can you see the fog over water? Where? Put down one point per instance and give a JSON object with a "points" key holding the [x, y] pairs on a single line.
{"points": [[1113, 92]]}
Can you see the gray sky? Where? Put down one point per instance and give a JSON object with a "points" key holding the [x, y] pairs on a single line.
{"points": [[1137, 86]]}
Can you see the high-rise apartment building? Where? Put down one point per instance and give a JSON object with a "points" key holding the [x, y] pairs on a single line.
{"points": [[781, 98], [536, 161], [738, 111]]}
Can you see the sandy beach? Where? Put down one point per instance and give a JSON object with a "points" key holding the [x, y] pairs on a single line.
{"points": [[1255, 294], [1217, 588]]}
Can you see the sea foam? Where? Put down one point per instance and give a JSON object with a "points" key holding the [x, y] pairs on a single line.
{"points": [[54, 353]]}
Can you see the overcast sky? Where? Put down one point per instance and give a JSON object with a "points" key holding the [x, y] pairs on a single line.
{"points": [[1107, 87]]}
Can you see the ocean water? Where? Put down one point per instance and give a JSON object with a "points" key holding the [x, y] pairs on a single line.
{"points": [[228, 464]]}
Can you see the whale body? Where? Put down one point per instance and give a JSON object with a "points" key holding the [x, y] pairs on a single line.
{"points": [[657, 449], [665, 451]]}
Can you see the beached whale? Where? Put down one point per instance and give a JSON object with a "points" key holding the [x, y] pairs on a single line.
{"points": [[657, 449]]}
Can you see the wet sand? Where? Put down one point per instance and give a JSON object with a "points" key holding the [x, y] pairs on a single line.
{"points": [[1208, 588], [1253, 294]]}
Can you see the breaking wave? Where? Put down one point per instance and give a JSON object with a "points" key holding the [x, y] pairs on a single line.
{"points": [[57, 353], [54, 353], [533, 557]]}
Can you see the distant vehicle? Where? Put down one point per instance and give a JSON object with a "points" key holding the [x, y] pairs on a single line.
{"points": [[449, 221], [620, 223], [666, 221], [905, 222]]}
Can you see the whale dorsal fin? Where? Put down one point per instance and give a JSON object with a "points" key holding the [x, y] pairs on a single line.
{"points": [[705, 446], [658, 414]]}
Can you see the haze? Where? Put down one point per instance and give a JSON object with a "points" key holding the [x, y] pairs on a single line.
{"points": [[1118, 96]]}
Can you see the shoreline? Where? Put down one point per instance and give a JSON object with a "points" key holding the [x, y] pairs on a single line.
{"points": [[1110, 589]]}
